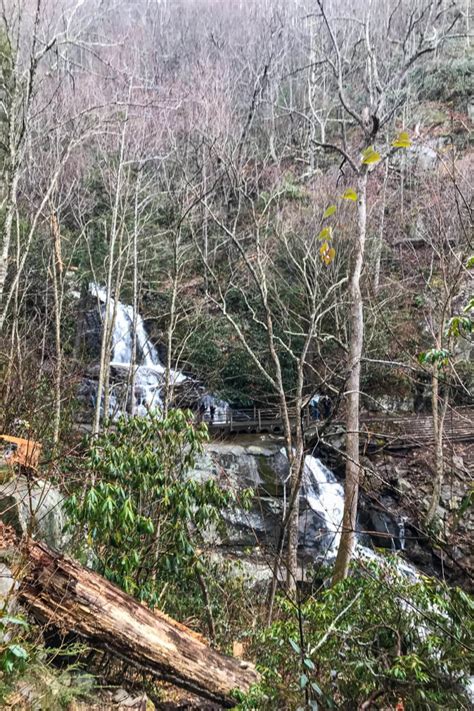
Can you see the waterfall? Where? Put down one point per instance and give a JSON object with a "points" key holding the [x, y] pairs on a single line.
{"points": [[401, 532], [149, 372], [325, 496]]}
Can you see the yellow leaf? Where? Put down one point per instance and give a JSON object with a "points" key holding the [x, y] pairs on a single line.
{"points": [[329, 211], [402, 140], [350, 194], [328, 256], [370, 156], [323, 249]]}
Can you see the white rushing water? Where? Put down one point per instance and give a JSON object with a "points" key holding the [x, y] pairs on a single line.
{"points": [[149, 372], [325, 496]]}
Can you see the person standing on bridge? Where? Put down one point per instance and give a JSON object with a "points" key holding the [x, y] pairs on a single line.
{"points": [[325, 406], [314, 407]]}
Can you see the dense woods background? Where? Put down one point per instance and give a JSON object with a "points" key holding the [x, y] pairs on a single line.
{"points": [[282, 190]]}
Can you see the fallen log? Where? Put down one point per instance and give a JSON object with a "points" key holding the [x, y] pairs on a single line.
{"points": [[61, 593]]}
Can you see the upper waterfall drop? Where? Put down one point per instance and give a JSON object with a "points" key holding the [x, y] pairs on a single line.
{"points": [[148, 371]]}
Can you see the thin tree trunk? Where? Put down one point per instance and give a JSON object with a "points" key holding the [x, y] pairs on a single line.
{"points": [[133, 364], [379, 242], [439, 407], [103, 363], [7, 231], [57, 295], [351, 487], [109, 319], [293, 518], [13, 375], [12, 182]]}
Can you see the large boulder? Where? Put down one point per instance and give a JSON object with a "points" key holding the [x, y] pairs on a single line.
{"points": [[34, 507]]}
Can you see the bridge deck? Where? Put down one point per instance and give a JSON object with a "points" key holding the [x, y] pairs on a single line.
{"points": [[417, 430], [391, 432]]}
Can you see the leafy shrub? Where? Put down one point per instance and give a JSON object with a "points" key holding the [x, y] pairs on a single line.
{"points": [[13, 652], [376, 636], [142, 515]]}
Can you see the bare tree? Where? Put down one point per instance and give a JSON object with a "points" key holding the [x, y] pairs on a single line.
{"points": [[375, 107], [252, 270]]}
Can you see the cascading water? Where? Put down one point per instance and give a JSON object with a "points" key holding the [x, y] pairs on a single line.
{"points": [[401, 532], [323, 494], [325, 497], [148, 372]]}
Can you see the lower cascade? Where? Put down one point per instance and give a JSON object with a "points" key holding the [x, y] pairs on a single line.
{"points": [[325, 496]]}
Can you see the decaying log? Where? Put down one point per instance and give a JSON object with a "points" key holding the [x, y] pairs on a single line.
{"points": [[61, 593]]}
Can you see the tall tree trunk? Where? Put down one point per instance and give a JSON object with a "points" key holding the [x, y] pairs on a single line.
{"points": [[351, 487], [109, 318], [104, 344], [7, 231], [293, 517], [133, 365], [168, 386]]}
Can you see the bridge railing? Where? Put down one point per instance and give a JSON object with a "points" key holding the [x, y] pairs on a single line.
{"points": [[248, 418]]}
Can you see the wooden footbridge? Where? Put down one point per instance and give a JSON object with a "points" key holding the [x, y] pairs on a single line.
{"points": [[377, 431], [412, 431]]}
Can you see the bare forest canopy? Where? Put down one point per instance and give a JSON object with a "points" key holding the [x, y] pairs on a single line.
{"points": [[185, 152], [242, 206]]}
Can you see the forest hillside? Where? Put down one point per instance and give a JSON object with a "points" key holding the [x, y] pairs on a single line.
{"points": [[236, 354]]}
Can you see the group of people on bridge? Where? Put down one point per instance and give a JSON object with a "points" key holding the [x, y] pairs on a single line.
{"points": [[319, 407]]}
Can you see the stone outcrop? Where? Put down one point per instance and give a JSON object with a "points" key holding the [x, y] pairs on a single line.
{"points": [[396, 491], [34, 507]]}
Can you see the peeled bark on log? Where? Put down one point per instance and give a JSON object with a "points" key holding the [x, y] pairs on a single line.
{"points": [[61, 593]]}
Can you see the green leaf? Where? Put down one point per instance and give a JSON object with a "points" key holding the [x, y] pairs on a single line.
{"points": [[434, 355], [326, 233], [18, 651], [402, 140], [316, 688], [329, 211], [309, 663], [303, 681], [370, 156], [470, 262], [295, 646], [350, 194], [13, 621]]}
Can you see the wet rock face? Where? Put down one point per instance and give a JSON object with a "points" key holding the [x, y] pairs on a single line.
{"points": [[400, 487], [238, 467], [34, 507], [260, 463]]}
